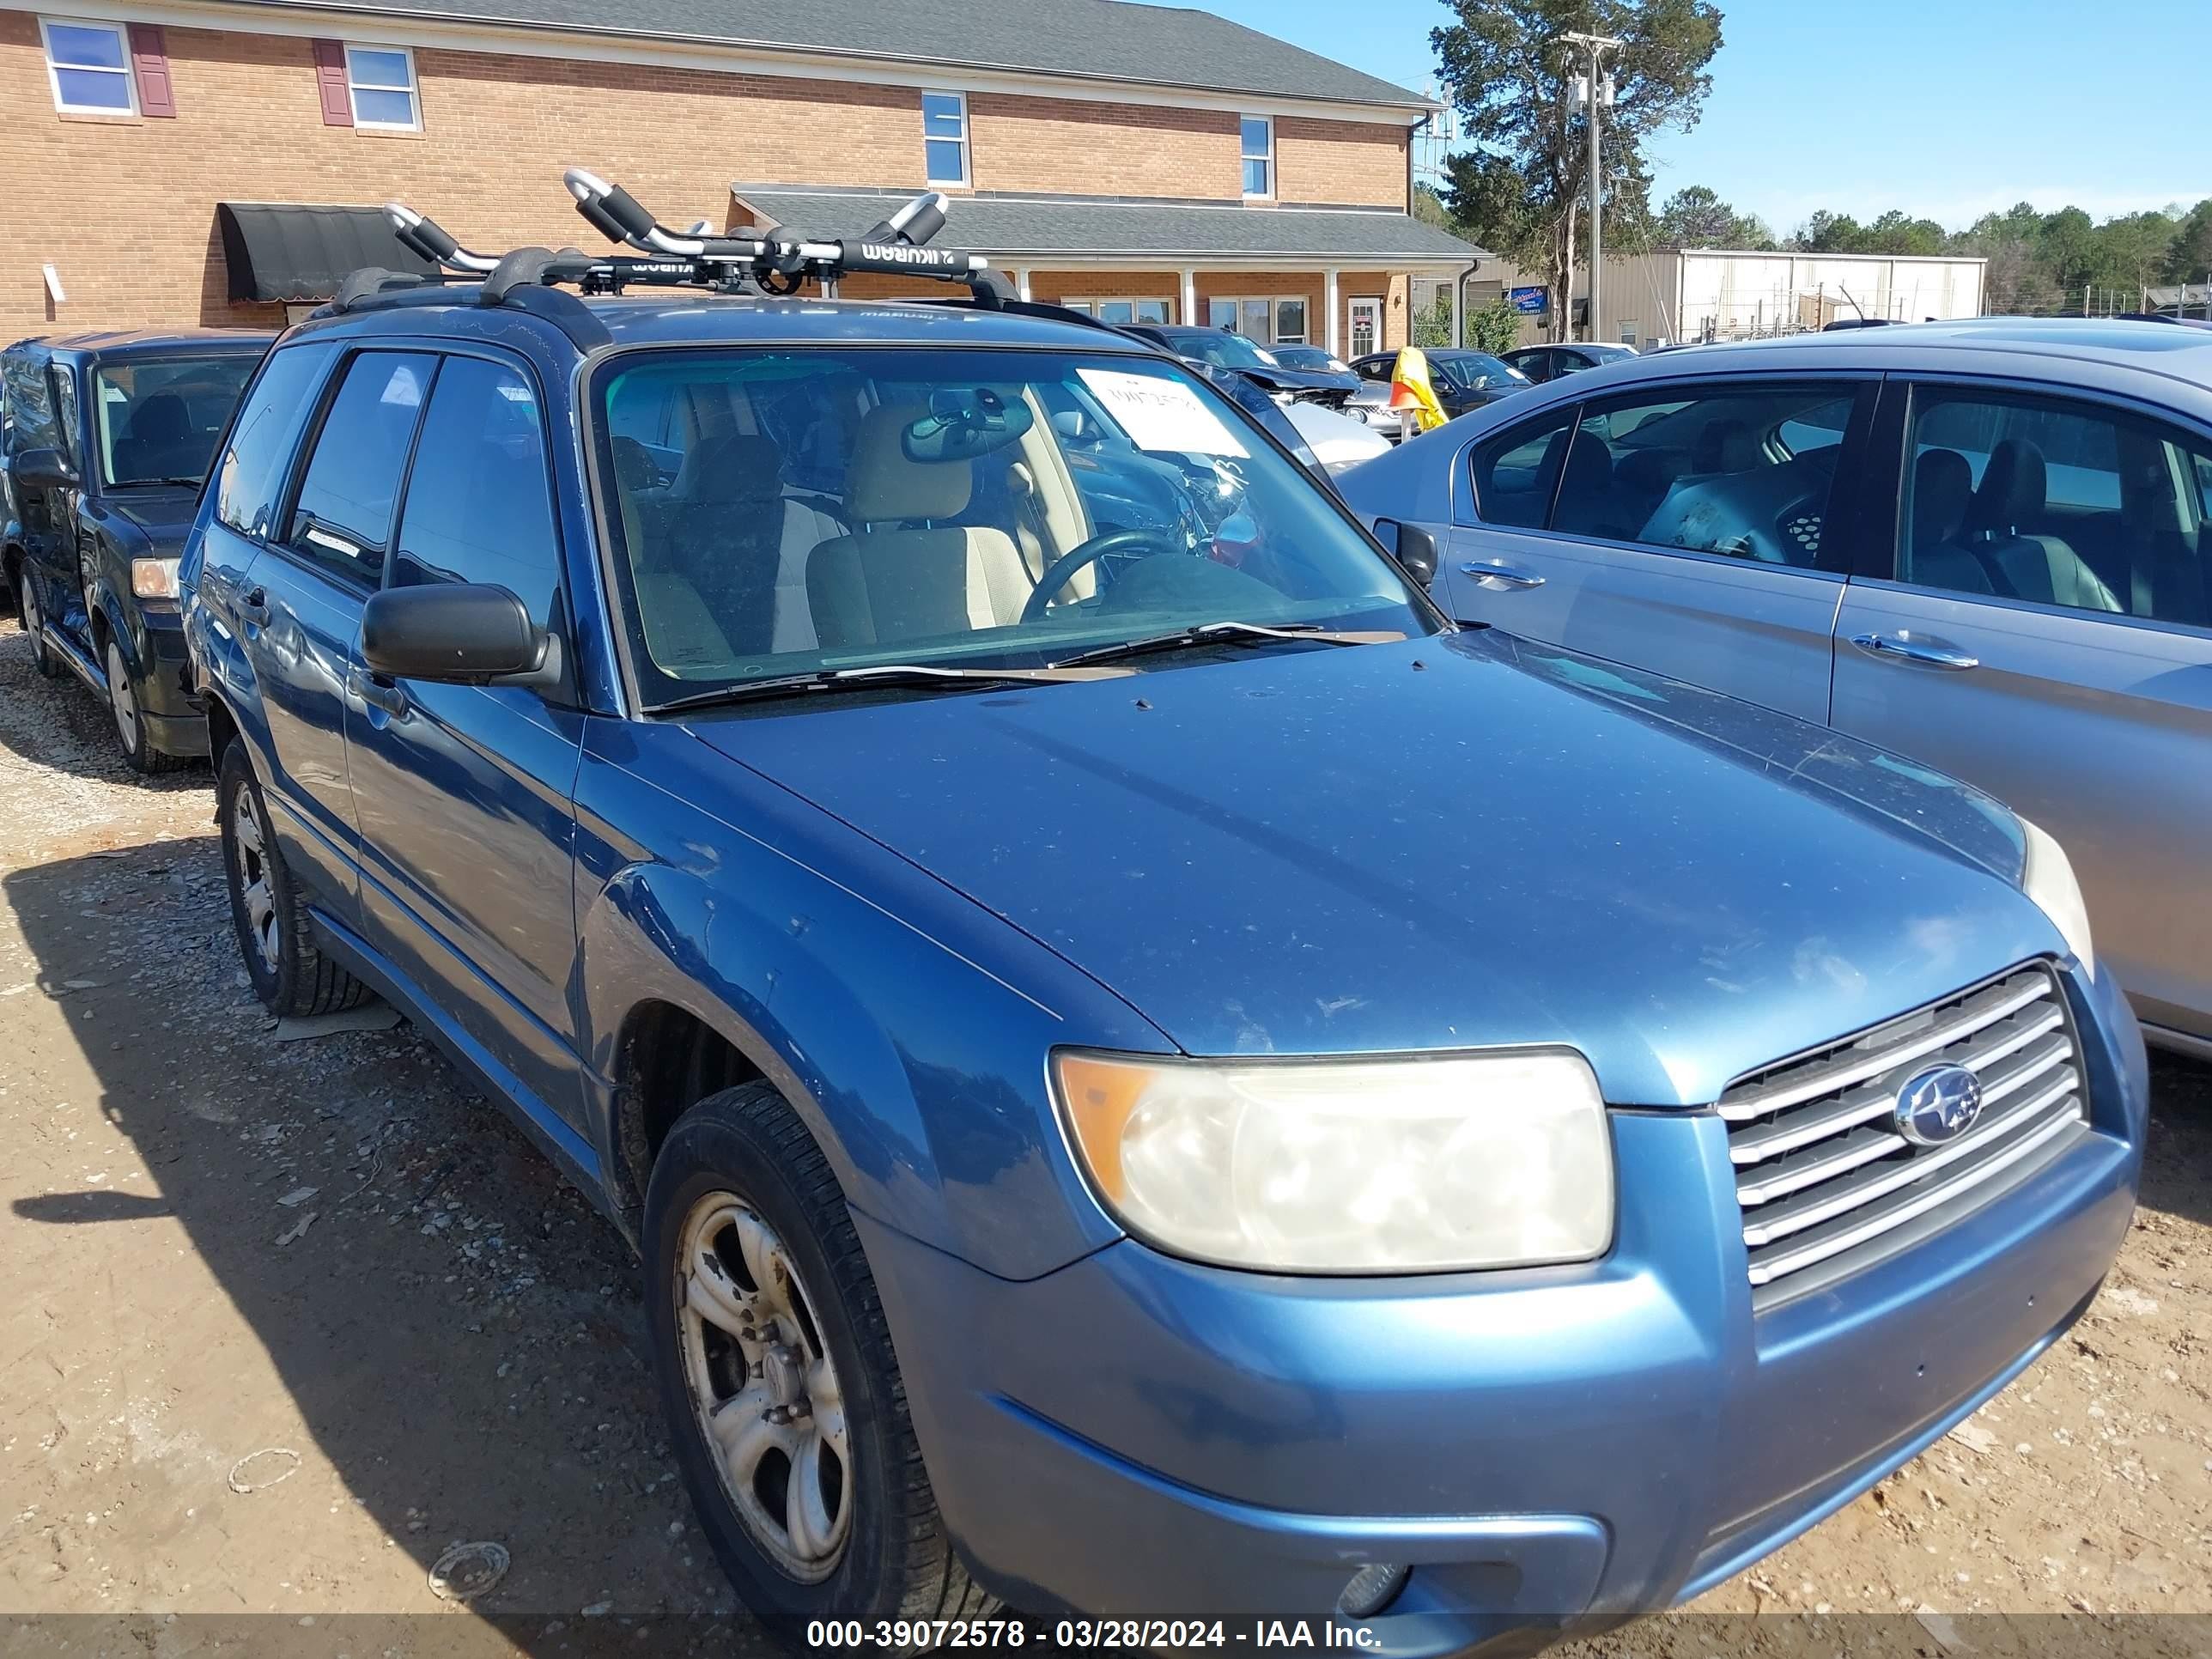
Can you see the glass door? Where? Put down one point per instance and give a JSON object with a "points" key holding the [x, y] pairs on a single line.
{"points": [[1366, 328]]}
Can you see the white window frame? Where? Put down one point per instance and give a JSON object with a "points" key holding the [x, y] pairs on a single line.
{"points": [[1244, 157], [965, 181], [1089, 306], [1274, 302], [130, 72], [413, 88]]}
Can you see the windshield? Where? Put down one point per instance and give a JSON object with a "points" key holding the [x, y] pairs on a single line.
{"points": [[1475, 372], [1222, 349], [779, 513], [156, 419]]}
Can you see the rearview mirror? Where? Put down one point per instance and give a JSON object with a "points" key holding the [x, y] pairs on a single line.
{"points": [[1414, 548], [965, 423], [450, 631], [44, 469]]}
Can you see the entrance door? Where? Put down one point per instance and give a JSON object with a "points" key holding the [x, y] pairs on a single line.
{"points": [[1366, 328]]}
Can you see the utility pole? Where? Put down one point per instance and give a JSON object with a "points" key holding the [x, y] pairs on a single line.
{"points": [[1596, 92]]}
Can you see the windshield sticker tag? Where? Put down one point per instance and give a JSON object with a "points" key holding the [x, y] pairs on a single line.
{"points": [[1158, 413]]}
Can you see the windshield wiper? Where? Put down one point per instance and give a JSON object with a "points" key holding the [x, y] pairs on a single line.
{"points": [[886, 674], [125, 484], [1226, 633]]}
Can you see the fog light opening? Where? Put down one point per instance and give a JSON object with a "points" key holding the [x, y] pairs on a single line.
{"points": [[1371, 1589]]}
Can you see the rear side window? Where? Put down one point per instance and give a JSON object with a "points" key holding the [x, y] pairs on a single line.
{"points": [[1515, 472], [478, 507], [1740, 471], [342, 518], [30, 406], [250, 475]]}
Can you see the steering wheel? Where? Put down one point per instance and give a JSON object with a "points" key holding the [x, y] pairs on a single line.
{"points": [[1057, 573]]}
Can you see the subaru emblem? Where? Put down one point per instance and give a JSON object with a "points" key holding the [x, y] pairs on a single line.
{"points": [[1938, 1104]]}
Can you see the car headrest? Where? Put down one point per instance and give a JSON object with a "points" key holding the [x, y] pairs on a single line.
{"points": [[738, 469], [1727, 445], [1590, 468], [160, 419], [1942, 489], [883, 486], [2012, 491]]}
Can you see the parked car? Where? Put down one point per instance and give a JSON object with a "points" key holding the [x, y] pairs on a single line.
{"points": [[1315, 358], [1542, 364], [1222, 349], [1463, 380], [1150, 1073], [1338, 438], [1986, 545], [108, 437]]}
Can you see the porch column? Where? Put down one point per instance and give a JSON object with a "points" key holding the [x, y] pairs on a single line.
{"points": [[1022, 281], [1190, 298], [1330, 335]]}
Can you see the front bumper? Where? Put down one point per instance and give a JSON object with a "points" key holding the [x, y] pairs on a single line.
{"points": [[1551, 1449], [173, 714]]}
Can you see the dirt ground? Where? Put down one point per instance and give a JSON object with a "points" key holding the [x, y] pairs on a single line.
{"points": [[286, 1318]]}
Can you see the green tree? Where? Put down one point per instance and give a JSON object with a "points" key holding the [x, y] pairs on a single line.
{"points": [[1695, 217], [1521, 192], [1493, 328], [2190, 258]]}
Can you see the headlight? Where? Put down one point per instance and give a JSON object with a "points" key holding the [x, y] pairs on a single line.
{"points": [[1404, 1165], [2049, 880], [154, 579]]}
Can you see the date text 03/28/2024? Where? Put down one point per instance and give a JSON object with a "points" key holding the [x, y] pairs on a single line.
{"points": [[1136, 1634]]}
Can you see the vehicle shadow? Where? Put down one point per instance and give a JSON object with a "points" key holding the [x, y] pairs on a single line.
{"points": [[321, 1260], [2177, 1177], [61, 726]]}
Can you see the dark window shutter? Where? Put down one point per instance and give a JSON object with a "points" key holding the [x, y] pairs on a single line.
{"points": [[149, 61], [331, 82]]}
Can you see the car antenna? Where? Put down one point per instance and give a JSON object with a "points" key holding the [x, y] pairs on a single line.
{"points": [[1855, 305]]}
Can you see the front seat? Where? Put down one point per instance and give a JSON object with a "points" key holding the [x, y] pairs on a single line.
{"points": [[906, 572], [1942, 491], [158, 443], [2043, 569], [742, 543]]}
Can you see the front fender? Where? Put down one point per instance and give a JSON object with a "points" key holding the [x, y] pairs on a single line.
{"points": [[908, 1028]]}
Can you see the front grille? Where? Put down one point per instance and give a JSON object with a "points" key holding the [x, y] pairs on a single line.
{"points": [[1823, 1175]]}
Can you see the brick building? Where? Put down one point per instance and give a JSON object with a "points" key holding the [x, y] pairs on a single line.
{"points": [[208, 160]]}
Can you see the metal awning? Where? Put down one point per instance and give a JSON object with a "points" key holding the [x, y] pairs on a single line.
{"points": [[296, 252]]}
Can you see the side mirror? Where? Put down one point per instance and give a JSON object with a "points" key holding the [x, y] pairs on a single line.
{"points": [[450, 631], [44, 468], [1414, 548]]}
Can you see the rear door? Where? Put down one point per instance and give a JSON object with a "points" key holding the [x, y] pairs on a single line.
{"points": [[464, 793], [2041, 625], [1696, 528], [300, 608]]}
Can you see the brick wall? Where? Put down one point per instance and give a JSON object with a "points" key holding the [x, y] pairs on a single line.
{"points": [[126, 209], [1339, 161], [1268, 285], [1054, 286]]}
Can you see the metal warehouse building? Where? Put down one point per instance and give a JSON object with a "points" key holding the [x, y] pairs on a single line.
{"points": [[1711, 294]]}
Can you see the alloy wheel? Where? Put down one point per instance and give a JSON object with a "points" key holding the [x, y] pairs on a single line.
{"points": [[255, 887], [763, 1386]]}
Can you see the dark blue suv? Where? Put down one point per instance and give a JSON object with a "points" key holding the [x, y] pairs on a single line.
{"points": [[1150, 1073]]}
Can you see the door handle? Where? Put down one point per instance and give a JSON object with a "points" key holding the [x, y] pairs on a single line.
{"points": [[254, 607], [378, 690], [1496, 573], [1903, 648]]}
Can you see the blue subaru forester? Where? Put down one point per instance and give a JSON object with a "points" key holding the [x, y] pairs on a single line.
{"points": [[1151, 1074]]}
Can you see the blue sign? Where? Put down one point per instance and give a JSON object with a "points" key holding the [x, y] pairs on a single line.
{"points": [[1533, 301]]}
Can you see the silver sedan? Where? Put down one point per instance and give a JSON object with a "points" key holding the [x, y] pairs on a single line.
{"points": [[1984, 545]]}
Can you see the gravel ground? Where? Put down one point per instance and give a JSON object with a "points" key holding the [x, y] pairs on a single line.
{"points": [[287, 1319]]}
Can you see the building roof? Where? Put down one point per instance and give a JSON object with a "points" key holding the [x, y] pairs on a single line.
{"points": [[1088, 40], [1091, 228]]}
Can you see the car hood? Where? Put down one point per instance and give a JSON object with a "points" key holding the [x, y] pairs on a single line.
{"points": [[161, 513], [1452, 843]]}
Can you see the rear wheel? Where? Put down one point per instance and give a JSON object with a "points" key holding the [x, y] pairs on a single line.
{"points": [[33, 624], [289, 974], [783, 1396], [130, 724]]}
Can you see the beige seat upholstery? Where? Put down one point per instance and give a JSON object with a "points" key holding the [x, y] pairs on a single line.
{"points": [[905, 572]]}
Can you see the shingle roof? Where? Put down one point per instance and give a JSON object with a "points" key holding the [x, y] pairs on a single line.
{"points": [[1111, 227], [1094, 40]]}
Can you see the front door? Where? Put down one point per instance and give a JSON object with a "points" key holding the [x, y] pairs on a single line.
{"points": [[464, 793], [2047, 634], [1366, 331], [1679, 529]]}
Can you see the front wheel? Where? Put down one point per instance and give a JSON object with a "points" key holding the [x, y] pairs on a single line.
{"points": [[138, 750], [289, 974], [783, 1393], [33, 620]]}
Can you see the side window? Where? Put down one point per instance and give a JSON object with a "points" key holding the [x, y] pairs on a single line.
{"points": [[1514, 471], [251, 474], [344, 513], [1742, 471], [30, 406], [65, 410], [2055, 502], [478, 505]]}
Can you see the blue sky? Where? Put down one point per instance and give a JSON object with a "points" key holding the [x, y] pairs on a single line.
{"points": [[1946, 108]]}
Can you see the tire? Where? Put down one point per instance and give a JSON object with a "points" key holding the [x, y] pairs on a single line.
{"points": [[32, 622], [289, 974], [883, 1553], [124, 703]]}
